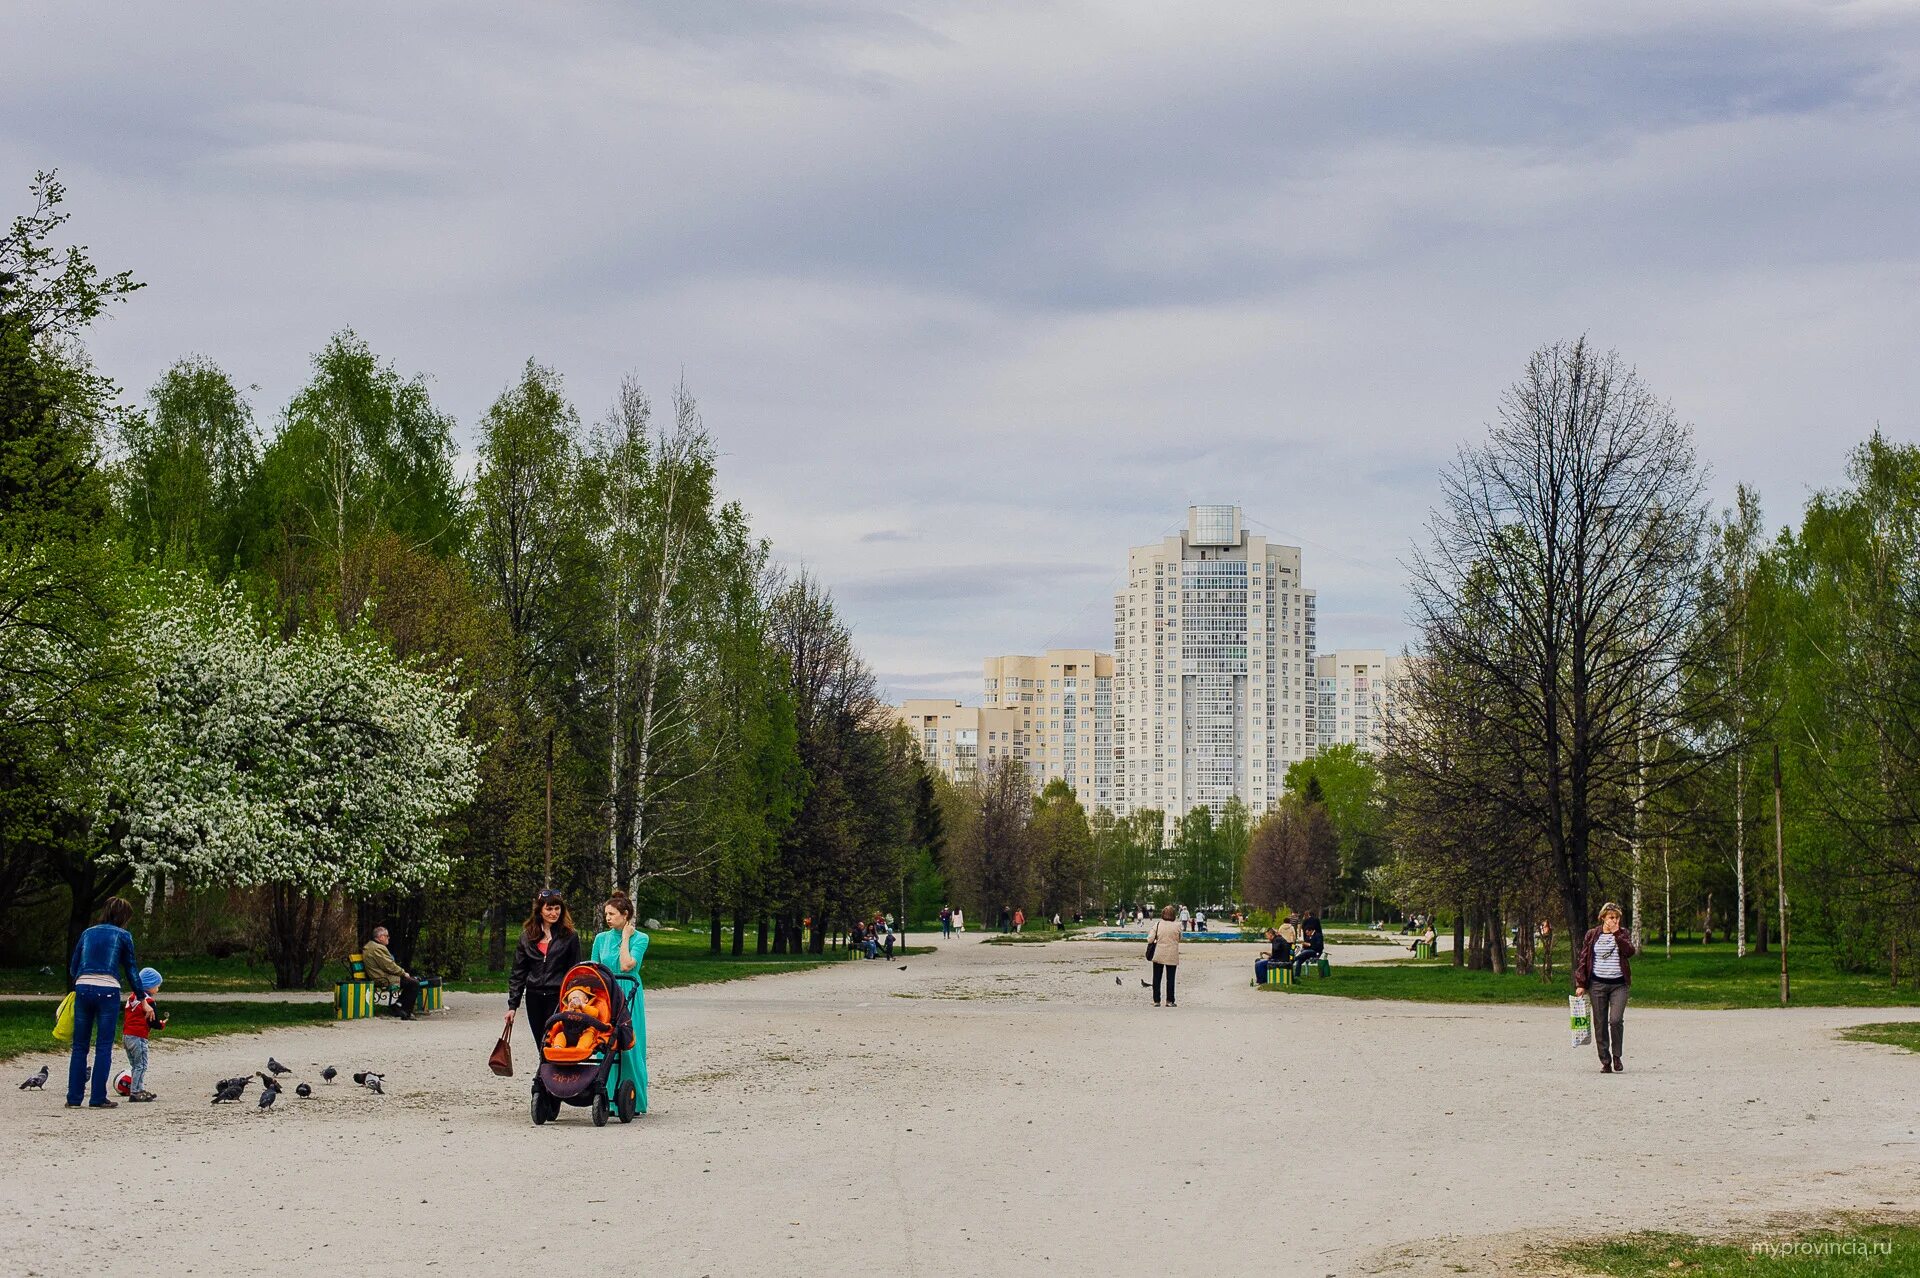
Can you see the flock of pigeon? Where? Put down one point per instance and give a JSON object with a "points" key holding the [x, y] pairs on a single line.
{"points": [[231, 1089]]}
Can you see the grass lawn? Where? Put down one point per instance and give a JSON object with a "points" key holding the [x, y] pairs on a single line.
{"points": [[1868, 1249], [26, 1029], [1896, 1033], [1696, 976], [675, 957]]}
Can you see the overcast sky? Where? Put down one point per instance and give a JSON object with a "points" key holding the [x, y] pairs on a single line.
{"points": [[976, 296]]}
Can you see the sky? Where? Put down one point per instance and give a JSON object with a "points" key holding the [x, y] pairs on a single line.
{"points": [[976, 296]]}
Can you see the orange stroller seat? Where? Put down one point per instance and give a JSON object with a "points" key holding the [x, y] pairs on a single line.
{"points": [[581, 1025]]}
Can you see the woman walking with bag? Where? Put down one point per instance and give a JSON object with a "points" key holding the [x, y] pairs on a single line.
{"points": [[548, 947], [1603, 974], [1163, 947]]}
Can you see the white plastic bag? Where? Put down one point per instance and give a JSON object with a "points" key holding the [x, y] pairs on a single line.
{"points": [[1580, 1018]]}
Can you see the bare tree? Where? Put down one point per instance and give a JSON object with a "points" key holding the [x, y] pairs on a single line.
{"points": [[1559, 598]]}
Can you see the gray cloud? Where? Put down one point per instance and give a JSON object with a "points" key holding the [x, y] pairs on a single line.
{"points": [[976, 297]]}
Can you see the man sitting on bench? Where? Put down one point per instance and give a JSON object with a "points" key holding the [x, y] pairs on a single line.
{"points": [[1280, 955], [383, 969], [1312, 946]]}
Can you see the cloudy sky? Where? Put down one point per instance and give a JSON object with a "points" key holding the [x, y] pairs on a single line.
{"points": [[975, 296]]}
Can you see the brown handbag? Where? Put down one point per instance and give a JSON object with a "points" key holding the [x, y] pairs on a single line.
{"points": [[500, 1060]]}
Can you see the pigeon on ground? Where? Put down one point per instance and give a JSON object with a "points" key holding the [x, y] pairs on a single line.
{"points": [[361, 1076], [373, 1085], [35, 1081], [903, 967], [277, 1067], [1145, 984], [230, 1090], [304, 1090], [329, 1074], [1116, 980], [269, 1082], [268, 1097]]}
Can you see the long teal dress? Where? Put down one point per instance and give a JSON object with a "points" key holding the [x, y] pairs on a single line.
{"points": [[633, 1064]]}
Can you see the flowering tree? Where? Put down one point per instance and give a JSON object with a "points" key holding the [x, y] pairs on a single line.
{"points": [[311, 767]]}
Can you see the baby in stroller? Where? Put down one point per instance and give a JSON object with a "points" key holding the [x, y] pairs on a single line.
{"points": [[580, 1014]]}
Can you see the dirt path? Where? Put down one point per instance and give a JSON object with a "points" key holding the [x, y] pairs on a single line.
{"points": [[988, 1103]]}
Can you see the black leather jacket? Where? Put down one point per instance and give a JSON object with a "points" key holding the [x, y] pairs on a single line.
{"points": [[534, 970]]}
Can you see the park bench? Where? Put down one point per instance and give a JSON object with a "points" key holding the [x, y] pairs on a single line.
{"points": [[360, 996], [1423, 949]]}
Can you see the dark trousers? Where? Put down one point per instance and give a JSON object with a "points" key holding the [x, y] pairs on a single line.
{"points": [[96, 1015], [1608, 1000], [408, 995], [1260, 966], [1172, 970], [540, 1005]]}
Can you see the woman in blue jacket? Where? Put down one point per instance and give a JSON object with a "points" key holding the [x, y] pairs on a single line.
{"points": [[103, 953]]}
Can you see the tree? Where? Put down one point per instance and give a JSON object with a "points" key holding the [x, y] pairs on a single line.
{"points": [[994, 863], [1560, 592], [1349, 783], [1062, 851], [1292, 858], [311, 767], [186, 469]]}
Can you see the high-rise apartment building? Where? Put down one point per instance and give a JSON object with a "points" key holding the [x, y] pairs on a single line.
{"points": [[1355, 689], [1213, 669], [959, 739], [1065, 703]]}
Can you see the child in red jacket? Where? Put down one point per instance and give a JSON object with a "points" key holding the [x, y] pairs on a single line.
{"points": [[141, 1019]]}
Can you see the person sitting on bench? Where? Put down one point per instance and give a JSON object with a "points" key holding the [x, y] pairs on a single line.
{"points": [[383, 969], [1280, 955], [1313, 946], [1427, 937]]}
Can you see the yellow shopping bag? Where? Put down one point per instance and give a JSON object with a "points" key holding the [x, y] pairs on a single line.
{"points": [[63, 1020]]}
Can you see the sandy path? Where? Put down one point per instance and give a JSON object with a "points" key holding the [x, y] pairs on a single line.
{"points": [[987, 1103]]}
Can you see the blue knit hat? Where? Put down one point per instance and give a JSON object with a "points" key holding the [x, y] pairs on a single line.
{"points": [[149, 979]]}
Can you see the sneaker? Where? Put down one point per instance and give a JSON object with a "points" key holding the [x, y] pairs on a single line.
{"points": [[1156, 1002], [141, 1096]]}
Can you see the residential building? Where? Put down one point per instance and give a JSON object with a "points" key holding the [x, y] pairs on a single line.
{"points": [[1065, 702], [1213, 668], [957, 739], [1355, 690]]}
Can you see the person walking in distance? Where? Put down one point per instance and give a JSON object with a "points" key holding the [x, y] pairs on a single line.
{"points": [[1604, 974], [1163, 945]]}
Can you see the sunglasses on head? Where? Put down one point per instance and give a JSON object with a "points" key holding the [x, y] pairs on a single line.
{"points": [[550, 897]]}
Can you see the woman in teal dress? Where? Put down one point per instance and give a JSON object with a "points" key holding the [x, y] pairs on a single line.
{"points": [[620, 949]]}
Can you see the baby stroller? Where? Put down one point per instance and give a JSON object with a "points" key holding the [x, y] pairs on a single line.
{"points": [[580, 1049]]}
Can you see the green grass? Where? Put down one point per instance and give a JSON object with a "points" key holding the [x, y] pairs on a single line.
{"points": [[1894, 1033], [1868, 1249], [1026, 938], [1695, 977], [26, 1029]]}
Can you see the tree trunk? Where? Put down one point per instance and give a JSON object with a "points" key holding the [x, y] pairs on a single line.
{"points": [[760, 938], [739, 930], [1740, 852], [1459, 936], [713, 931]]}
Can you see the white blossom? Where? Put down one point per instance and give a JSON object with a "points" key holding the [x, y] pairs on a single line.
{"points": [[319, 762]]}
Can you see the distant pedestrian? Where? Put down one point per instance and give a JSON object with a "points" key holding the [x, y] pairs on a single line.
{"points": [[1163, 940], [1006, 919], [946, 921], [1604, 974], [1059, 925], [959, 920]]}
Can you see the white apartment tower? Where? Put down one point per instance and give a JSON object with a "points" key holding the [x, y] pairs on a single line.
{"points": [[1214, 689]]}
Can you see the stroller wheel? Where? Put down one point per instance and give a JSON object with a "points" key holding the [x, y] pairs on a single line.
{"points": [[539, 1109], [624, 1101], [599, 1109]]}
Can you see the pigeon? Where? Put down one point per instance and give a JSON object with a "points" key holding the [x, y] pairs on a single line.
{"points": [[304, 1090], [35, 1081], [230, 1090], [1116, 980], [269, 1082], [373, 1085], [362, 1076], [329, 1074], [1145, 984], [277, 1067], [268, 1097], [903, 967]]}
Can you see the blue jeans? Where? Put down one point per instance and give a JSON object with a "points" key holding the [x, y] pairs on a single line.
{"points": [[137, 1061], [96, 1014]]}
